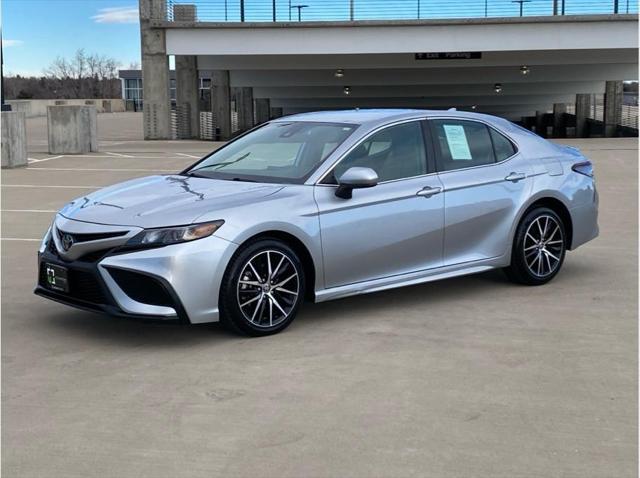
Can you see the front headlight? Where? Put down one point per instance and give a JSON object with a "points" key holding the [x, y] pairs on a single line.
{"points": [[174, 235]]}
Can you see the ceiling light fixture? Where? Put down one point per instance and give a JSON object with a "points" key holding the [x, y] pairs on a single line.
{"points": [[497, 87], [339, 73], [347, 90], [524, 69]]}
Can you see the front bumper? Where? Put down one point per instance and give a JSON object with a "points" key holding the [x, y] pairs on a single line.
{"points": [[180, 281]]}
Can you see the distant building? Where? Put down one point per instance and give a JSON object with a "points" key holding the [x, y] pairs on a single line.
{"points": [[132, 91]]}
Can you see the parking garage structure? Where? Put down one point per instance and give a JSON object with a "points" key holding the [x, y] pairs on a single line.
{"points": [[560, 75]]}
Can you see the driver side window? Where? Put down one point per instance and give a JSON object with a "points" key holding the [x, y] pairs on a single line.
{"points": [[396, 152]]}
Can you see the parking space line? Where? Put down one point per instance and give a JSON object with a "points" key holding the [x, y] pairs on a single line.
{"points": [[189, 156], [86, 156], [119, 155], [48, 211], [19, 239], [48, 186], [103, 156], [106, 169], [32, 160]]}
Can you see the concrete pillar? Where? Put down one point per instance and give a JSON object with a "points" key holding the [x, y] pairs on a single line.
{"points": [[187, 91], [14, 139], [528, 122], [583, 112], [541, 127], [276, 112], [187, 82], [244, 105], [72, 129], [155, 72], [263, 110], [612, 107], [221, 102], [559, 126]]}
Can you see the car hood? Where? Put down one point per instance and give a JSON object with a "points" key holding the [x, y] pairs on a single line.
{"points": [[158, 201]]}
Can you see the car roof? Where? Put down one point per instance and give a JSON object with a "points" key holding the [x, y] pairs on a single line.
{"points": [[370, 117], [358, 116]]}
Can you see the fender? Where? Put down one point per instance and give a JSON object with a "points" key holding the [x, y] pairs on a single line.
{"points": [[543, 194], [309, 237]]}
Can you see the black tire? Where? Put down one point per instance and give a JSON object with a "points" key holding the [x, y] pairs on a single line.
{"points": [[258, 322], [536, 262]]}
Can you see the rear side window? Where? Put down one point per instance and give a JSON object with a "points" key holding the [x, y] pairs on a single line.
{"points": [[503, 147], [462, 144]]}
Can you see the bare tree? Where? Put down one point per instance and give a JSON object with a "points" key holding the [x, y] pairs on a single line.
{"points": [[81, 76], [84, 76]]}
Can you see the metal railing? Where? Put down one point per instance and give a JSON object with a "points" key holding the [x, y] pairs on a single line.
{"points": [[179, 123], [629, 116], [353, 10]]}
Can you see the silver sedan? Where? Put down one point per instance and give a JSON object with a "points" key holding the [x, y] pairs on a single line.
{"points": [[321, 206]]}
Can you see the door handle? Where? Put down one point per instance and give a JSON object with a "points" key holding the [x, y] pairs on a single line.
{"points": [[429, 191], [515, 177]]}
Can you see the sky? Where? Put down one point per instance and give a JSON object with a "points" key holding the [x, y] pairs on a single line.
{"points": [[35, 32]]}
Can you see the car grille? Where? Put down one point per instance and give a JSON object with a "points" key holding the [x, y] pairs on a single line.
{"points": [[85, 237], [89, 257], [51, 247], [83, 286], [94, 256]]}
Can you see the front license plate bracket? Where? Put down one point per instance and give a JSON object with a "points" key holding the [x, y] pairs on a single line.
{"points": [[57, 277]]}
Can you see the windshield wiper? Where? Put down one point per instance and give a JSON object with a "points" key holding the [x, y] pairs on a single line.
{"points": [[215, 167], [196, 175], [244, 180], [224, 165]]}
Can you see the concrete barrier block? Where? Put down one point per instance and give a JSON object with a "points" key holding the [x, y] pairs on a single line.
{"points": [[72, 129], [14, 139]]}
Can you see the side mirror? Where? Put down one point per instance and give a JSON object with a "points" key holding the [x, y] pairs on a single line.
{"points": [[355, 178]]}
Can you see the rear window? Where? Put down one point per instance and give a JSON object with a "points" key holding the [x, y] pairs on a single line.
{"points": [[503, 147], [462, 144]]}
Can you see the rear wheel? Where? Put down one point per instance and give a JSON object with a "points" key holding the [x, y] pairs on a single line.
{"points": [[262, 289], [539, 248]]}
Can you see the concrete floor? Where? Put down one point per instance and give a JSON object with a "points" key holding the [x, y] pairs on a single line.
{"points": [[465, 377]]}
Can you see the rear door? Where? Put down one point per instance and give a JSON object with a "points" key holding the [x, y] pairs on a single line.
{"points": [[485, 181]]}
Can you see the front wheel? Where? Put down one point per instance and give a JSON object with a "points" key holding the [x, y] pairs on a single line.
{"points": [[539, 248], [262, 288]]}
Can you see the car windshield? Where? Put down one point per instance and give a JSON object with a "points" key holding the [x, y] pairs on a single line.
{"points": [[280, 152]]}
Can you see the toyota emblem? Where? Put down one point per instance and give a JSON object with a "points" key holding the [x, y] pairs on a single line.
{"points": [[67, 241]]}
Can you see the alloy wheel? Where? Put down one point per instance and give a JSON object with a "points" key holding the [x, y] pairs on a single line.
{"points": [[268, 288], [543, 246]]}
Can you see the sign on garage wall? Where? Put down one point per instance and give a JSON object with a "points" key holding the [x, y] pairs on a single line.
{"points": [[458, 55]]}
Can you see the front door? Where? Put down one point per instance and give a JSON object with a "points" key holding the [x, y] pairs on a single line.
{"points": [[391, 229]]}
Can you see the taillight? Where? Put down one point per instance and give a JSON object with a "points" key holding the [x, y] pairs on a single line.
{"points": [[585, 168]]}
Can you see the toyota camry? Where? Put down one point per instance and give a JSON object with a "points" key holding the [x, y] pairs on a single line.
{"points": [[320, 206]]}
